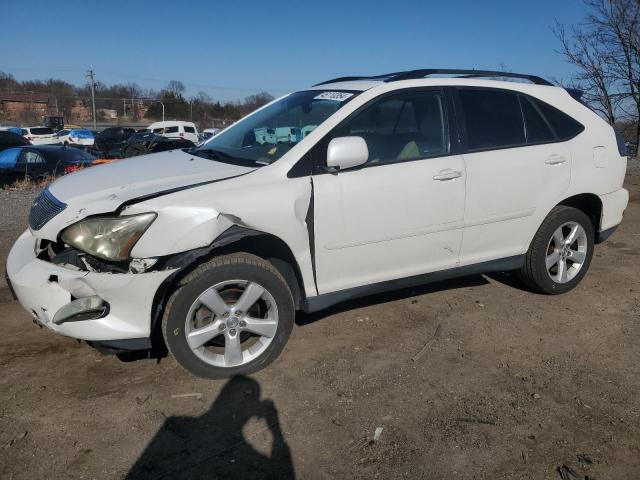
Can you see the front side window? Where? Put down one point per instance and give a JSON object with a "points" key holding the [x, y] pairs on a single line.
{"points": [[407, 126], [493, 119], [267, 135]]}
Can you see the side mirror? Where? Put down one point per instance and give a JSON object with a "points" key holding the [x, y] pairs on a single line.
{"points": [[346, 152]]}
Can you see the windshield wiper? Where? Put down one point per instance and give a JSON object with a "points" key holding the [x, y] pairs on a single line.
{"points": [[222, 156]]}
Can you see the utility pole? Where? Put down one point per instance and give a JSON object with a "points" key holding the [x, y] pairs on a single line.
{"points": [[90, 75]]}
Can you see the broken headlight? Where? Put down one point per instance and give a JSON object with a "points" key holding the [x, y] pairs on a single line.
{"points": [[108, 238]]}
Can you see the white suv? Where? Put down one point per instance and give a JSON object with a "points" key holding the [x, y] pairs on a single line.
{"points": [[175, 129], [383, 182]]}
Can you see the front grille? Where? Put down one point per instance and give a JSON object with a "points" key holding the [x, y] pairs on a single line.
{"points": [[44, 208]]}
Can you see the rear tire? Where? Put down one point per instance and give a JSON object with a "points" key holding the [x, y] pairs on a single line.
{"points": [[231, 316], [560, 252]]}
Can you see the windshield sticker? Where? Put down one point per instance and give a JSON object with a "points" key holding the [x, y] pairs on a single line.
{"points": [[336, 96]]}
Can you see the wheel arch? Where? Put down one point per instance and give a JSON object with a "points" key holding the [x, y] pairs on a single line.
{"points": [[234, 239], [590, 204]]}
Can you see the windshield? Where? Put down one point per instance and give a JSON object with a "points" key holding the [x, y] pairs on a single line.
{"points": [[267, 135]]}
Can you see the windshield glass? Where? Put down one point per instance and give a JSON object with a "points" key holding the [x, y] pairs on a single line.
{"points": [[267, 135]]}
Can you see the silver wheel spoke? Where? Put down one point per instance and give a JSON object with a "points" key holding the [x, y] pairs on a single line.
{"points": [[572, 235], [232, 350], [199, 337], [578, 256], [214, 302], [558, 238], [562, 271], [251, 295], [265, 328], [552, 259]]}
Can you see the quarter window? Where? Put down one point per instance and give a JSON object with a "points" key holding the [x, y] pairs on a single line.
{"points": [[493, 119], [404, 127], [189, 129], [538, 130], [564, 126]]}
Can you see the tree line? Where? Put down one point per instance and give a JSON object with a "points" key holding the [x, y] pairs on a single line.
{"points": [[200, 108]]}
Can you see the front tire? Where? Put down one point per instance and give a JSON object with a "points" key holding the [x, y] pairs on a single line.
{"points": [[230, 316], [560, 252]]}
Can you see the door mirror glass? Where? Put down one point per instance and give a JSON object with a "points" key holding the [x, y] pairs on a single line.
{"points": [[347, 152]]}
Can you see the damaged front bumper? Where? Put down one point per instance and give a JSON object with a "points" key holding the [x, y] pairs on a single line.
{"points": [[85, 305]]}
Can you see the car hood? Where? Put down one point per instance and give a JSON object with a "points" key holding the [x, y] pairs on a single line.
{"points": [[103, 188]]}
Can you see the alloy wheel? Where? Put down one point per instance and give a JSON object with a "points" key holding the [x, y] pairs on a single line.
{"points": [[231, 323], [566, 252]]}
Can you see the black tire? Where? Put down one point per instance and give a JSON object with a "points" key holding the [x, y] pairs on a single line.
{"points": [[236, 266], [534, 272]]}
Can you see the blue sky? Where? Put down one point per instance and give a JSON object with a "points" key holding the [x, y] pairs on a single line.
{"points": [[230, 49]]}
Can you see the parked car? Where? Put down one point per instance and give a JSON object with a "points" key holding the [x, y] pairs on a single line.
{"points": [[143, 143], [40, 161], [41, 135], [76, 137], [9, 139], [16, 130], [175, 129], [407, 178], [112, 140], [206, 134]]}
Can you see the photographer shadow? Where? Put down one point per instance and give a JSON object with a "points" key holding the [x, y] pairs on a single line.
{"points": [[213, 446]]}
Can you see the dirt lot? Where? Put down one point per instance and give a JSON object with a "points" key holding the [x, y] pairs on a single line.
{"points": [[512, 385]]}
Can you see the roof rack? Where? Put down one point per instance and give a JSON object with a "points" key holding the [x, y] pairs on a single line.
{"points": [[415, 74]]}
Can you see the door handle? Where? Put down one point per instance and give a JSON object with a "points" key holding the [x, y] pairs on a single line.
{"points": [[555, 160], [447, 174]]}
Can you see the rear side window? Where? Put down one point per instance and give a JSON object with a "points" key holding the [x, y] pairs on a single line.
{"points": [[171, 130], [41, 131], [563, 125], [537, 128], [31, 157], [493, 119], [189, 129]]}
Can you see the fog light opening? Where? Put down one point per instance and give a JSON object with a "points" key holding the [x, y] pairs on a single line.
{"points": [[87, 308]]}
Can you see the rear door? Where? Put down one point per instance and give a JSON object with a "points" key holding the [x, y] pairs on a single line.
{"points": [[401, 213], [513, 169]]}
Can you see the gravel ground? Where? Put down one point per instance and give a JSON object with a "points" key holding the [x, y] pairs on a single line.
{"points": [[511, 385], [14, 210]]}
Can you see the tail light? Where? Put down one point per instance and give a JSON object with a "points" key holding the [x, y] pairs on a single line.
{"points": [[71, 168], [622, 146]]}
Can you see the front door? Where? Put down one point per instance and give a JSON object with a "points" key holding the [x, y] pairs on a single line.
{"points": [[401, 214]]}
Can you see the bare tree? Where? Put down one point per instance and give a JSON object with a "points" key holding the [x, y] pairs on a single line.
{"points": [[606, 51]]}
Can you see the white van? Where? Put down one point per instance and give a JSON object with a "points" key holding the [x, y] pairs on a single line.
{"points": [[175, 129], [401, 179]]}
